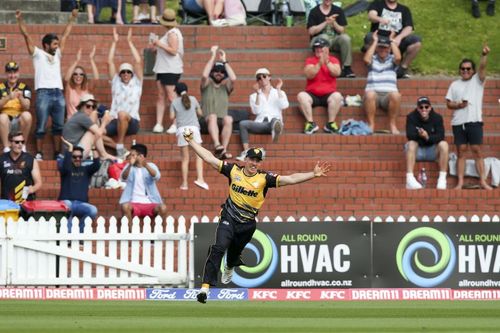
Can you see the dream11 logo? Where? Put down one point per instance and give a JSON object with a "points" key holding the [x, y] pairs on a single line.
{"points": [[267, 260], [407, 257]]}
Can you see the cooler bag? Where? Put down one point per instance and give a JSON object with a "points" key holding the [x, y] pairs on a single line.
{"points": [[44, 208], [9, 209]]}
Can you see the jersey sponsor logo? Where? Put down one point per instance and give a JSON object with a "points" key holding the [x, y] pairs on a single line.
{"points": [[244, 191]]}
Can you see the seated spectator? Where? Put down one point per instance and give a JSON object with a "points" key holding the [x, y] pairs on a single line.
{"points": [[186, 110], [82, 129], [382, 85], [126, 91], [425, 133], [152, 11], [141, 196], [490, 9], [213, 8], [15, 101], [387, 16], [321, 71], [267, 103], [75, 181], [77, 82], [20, 176], [94, 10], [216, 86], [328, 21]]}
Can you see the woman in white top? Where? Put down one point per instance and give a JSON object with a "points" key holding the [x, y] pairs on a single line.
{"points": [[77, 82], [168, 65]]}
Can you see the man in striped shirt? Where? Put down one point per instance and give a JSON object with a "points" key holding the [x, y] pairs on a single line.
{"points": [[381, 89]]}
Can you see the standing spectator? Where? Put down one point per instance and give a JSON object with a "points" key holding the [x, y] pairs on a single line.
{"points": [[465, 97], [248, 186], [75, 181], [168, 65], [141, 196], [328, 21], [387, 16], [490, 9], [48, 82], [321, 71], [216, 86], [267, 103], [15, 101], [126, 91], [381, 89], [20, 175], [78, 83], [186, 110], [83, 130], [425, 133]]}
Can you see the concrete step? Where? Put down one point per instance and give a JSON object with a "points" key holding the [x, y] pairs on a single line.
{"points": [[45, 17], [31, 6]]}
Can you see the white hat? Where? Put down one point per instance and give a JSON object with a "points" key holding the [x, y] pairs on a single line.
{"points": [[87, 97], [126, 67], [264, 71]]}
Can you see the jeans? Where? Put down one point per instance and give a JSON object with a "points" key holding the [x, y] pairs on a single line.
{"points": [[81, 210], [49, 102]]}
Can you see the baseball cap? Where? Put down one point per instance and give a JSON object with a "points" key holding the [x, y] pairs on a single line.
{"points": [[11, 66], [126, 67], [263, 71], [219, 67], [257, 153], [383, 41], [423, 100], [320, 42], [87, 97]]}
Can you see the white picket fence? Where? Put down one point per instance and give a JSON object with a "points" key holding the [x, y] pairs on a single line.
{"points": [[42, 253], [149, 253]]}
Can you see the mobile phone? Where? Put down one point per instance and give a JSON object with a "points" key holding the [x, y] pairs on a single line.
{"points": [[152, 37]]}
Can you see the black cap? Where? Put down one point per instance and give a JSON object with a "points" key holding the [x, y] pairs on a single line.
{"points": [[219, 67], [423, 100], [257, 153], [11, 66], [384, 41], [180, 87], [320, 42]]}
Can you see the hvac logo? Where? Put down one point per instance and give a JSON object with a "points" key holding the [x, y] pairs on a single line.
{"points": [[409, 251], [267, 260]]}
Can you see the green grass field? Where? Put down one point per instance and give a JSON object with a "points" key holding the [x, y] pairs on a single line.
{"points": [[187, 317]]}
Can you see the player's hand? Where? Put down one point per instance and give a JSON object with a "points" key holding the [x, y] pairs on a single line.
{"points": [[188, 134], [321, 169]]}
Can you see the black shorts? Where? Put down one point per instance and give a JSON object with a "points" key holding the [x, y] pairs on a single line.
{"points": [[112, 128], [468, 133], [168, 79], [320, 100]]}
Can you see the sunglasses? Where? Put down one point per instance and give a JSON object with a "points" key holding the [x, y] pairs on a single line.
{"points": [[17, 142], [424, 107], [465, 69], [77, 157], [260, 77], [79, 74], [125, 72], [91, 106]]}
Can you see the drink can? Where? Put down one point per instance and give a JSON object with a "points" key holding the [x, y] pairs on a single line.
{"points": [[26, 192], [289, 21]]}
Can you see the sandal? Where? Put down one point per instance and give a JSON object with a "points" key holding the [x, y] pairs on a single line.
{"points": [[219, 150]]}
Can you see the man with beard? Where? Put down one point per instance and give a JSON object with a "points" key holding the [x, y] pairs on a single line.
{"points": [[48, 82], [216, 86]]}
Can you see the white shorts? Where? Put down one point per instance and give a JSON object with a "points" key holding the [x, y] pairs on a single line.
{"points": [[181, 142]]}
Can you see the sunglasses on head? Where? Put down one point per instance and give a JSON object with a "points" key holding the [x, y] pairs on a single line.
{"points": [[91, 106], [261, 76], [125, 72], [465, 69], [17, 142], [77, 157], [79, 74], [424, 107]]}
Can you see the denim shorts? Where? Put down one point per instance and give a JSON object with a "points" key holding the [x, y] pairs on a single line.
{"points": [[425, 153]]}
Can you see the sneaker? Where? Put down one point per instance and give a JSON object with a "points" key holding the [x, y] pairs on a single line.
{"points": [[241, 157], [219, 23], [58, 156], [412, 183], [227, 275], [202, 297], [490, 10], [172, 129], [331, 127], [441, 184], [310, 127], [475, 11], [39, 156], [122, 153], [158, 128], [402, 73], [276, 131], [347, 73]]}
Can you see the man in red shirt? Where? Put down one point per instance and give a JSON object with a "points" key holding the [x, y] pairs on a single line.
{"points": [[321, 71]]}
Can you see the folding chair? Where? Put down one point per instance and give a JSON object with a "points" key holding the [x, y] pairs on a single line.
{"points": [[260, 11], [297, 8], [191, 17]]}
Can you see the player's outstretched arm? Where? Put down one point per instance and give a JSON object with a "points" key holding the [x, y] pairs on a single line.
{"points": [[320, 170], [205, 154]]}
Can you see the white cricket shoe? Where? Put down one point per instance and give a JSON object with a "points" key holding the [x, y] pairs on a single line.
{"points": [[227, 275]]}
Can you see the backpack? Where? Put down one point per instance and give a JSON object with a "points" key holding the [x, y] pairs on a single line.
{"points": [[101, 176]]}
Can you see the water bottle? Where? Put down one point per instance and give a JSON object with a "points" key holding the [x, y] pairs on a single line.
{"points": [[284, 9], [422, 177], [133, 142]]}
